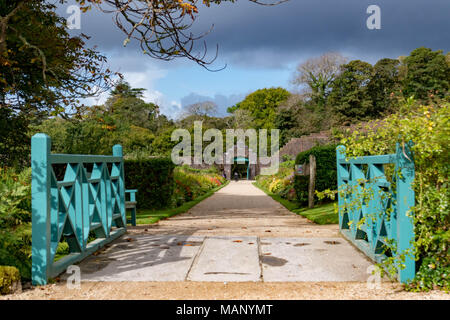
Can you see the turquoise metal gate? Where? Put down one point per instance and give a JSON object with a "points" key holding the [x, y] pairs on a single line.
{"points": [[375, 213], [84, 198]]}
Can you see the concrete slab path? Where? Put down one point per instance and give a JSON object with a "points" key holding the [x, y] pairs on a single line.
{"points": [[225, 259], [238, 234]]}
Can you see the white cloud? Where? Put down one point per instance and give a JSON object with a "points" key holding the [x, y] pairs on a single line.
{"points": [[147, 79], [171, 109], [140, 74]]}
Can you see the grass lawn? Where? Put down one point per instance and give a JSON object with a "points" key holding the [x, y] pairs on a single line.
{"points": [[148, 216], [321, 214]]}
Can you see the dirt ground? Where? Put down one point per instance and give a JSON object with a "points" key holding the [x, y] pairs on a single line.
{"points": [[187, 290], [238, 209]]}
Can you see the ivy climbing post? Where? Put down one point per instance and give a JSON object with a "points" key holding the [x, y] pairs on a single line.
{"points": [[375, 214], [405, 203]]}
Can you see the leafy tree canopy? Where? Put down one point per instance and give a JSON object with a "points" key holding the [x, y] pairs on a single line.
{"points": [[350, 96], [123, 89], [262, 105], [316, 75], [428, 73], [42, 67], [126, 105], [384, 85]]}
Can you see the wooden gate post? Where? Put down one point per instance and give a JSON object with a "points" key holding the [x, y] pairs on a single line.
{"points": [[405, 216], [378, 224], [40, 212], [70, 208], [312, 181]]}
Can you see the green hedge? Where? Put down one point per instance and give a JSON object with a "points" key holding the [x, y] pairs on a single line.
{"points": [[153, 178], [325, 170], [301, 189]]}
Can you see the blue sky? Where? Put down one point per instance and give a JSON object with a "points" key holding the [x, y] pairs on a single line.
{"points": [[261, 46]]}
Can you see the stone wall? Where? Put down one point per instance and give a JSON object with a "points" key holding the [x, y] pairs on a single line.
{"points": [[304, 143]]}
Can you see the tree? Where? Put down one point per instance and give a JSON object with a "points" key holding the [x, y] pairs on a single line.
{"points": [[427, 73], [384, 86], [261, 105], [316, 76], [160, 122], [350, 96], [95, 135], [42, 67], [285, 121], [43, 71], [295, 117], [76, 136], [163, 145], [14, 142], [126, 105], [125, 118], [200, 110], [243, 119], [123, 89]]}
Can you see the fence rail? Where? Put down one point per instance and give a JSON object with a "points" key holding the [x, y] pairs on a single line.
{"points": [[376, 212], [82, 203]]}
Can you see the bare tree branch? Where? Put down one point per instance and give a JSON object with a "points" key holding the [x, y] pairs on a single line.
{"points": [[160, 26]]}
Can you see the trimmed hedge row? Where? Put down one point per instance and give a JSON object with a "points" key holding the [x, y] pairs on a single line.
{"points": [[153, 178], [326, 174]]}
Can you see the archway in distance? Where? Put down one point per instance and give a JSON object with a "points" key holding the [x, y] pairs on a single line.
{"points": [[241, 165]]}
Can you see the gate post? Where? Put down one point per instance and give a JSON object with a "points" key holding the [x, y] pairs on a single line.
{"points": [[340, 155], [312, 181], [40, 197], [405, 202], [117, 151]]}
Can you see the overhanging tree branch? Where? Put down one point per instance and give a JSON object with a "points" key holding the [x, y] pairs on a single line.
{"points": [[161, 26]]}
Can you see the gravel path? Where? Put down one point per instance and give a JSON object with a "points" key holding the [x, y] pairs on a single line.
{"points": [[239, 209]]}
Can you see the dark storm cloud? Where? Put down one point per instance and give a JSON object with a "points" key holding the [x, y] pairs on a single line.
{"points": [[311, 27], [252, 35]]}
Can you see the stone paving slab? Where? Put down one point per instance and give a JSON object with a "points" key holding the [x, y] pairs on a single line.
{"points": [[226, 259], [229, 259], [143, 258], [312, 259]]}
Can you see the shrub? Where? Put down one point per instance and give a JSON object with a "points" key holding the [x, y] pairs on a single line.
{"points": [[191, 183], [301, 184], [15, 220], [153, 178], [9, 276], [428, 127], [281, 183], [326, 175]]}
